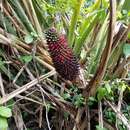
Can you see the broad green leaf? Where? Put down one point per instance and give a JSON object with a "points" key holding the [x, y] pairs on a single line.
{"points": [[34, 34], [108, 87], [5, 112], [29, 39], [73, 23], [122, 86], [82, 37], [101, 93], [100, 128], [129, 35], [26, 58], [3, 123], [126, 50], [126, 5], [95, 6]]}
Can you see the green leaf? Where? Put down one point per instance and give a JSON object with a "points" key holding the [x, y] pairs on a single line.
{"points": [[126, 50], [114, 57], [66, 96], [129, 35], [26, 59], [126, 5], [73, 23], [108, 87], [97, 50], [82, 37], [92, 100], [100, 128], [10, 103], [5, 112], [28, 39], [19, 11], [101, 93], [78, 100], [34, 34], [122, 86], [3, 123]]}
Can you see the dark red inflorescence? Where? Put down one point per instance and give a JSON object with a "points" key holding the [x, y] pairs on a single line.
{"points": [[65, 63]]}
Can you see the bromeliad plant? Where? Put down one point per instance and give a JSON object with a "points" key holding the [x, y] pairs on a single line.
{"points": [[95, 31]]}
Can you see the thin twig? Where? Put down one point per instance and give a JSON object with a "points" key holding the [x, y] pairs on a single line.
{"points": [[88, 118], [29, 99], [2, 86], [100, 114], [25, 87], [40, 116], [19, 73], [47, 119]]}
